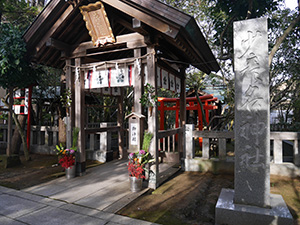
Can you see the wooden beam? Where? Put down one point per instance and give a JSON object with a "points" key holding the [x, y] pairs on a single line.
{"points": [[132, 37], [144, 17], [132, 41], [167, 133], [168, 68], [41, 19], [51, 42], [55, 26], [101, 129]]}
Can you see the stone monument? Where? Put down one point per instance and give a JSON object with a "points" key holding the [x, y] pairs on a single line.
{"points": [[250, 202]]}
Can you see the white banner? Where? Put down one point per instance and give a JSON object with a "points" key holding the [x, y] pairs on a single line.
{"points": [[100, 79], [172, 82], [165, 79], [119, 76], [178, 85], [26, 101], [131, 75], [96, 79], [17, 109], [88, 79]]}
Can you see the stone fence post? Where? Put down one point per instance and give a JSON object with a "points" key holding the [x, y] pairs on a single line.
{"points": [[189, 141]]}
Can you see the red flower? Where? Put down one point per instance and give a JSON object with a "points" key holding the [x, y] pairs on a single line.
{"points": [[67, 161], [135, 170]]}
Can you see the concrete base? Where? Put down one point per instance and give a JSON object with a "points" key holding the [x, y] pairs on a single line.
{"points": [[235, 214], [99, 155], [285, 169], [217, 166]]}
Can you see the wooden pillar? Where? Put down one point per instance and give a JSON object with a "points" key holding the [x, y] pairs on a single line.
{"points": [[122, 151], [181, 140], [80, 117], [297, 152], [71, 111], [153, 119], [138, 90], [138, 85]]}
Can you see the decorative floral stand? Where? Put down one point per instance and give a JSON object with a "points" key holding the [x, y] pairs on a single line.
{"points": [[135, 184], [70, 172]]}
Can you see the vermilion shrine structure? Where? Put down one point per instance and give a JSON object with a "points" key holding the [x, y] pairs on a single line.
{"points": [[191, 104], [107, 45]]}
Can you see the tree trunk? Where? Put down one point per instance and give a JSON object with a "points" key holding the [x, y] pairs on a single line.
{"points": [[16, 138], [18, 126], [62, 138], [23, 138]]}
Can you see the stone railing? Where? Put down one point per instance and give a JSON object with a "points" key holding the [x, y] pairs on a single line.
{"points": [[100, 141], [277, 139], [44, 139]]}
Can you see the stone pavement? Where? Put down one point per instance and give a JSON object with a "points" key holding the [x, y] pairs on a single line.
{"points": [[90, 199]]}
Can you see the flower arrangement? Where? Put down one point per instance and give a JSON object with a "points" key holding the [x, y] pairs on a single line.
{"points": [[137, 162], [67, 156], [67, 159]]}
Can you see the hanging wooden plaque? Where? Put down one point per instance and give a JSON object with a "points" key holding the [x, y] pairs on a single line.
{"points": [[97, 23]]}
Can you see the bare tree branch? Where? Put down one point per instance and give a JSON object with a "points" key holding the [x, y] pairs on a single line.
{"points": [[282, 37]]}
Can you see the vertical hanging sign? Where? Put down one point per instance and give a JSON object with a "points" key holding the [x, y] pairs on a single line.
{"points": [[133, 138]]}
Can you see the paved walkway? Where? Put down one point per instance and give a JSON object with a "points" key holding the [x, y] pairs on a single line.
{"points": [[90, 199]]}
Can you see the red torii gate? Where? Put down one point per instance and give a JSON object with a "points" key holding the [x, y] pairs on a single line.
{"points": [[190, 101]]}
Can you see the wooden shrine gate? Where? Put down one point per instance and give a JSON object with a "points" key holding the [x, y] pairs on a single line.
{"points": [[123, 43]]}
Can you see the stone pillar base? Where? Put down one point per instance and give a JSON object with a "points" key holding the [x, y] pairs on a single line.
{"points": [[235, 214]]}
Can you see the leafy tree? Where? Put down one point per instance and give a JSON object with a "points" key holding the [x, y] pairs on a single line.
{"points": [[14, 67], [15, 17], [216, 19], [284, 73], [17, 12]]}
